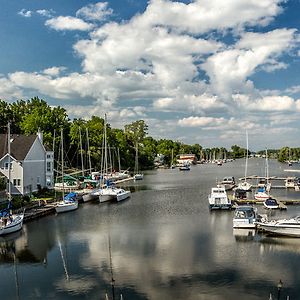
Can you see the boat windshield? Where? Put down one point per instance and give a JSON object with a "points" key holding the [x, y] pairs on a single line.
{"points": [[244, 214]]}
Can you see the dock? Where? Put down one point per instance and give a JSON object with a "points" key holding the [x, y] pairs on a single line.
{"points": [[283, 203], [38, 212]]}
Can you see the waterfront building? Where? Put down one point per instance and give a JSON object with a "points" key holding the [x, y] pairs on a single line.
{"points": [[30, 162]]}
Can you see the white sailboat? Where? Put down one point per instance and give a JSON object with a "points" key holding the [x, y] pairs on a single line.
{"points": [[263, 192], [137, 175], [245, 186], [109, 192], [68, 202], [9, 222]]}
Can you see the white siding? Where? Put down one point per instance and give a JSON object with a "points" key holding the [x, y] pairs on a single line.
{"points": [[34, 167], [16, 174]]}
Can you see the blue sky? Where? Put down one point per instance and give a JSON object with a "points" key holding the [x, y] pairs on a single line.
{"points": [[201, 71]]}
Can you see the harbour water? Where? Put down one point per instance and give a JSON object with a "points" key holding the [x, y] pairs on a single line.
{"points": [[162, 243]]}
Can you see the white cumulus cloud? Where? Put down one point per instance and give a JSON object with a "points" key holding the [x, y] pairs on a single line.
{"points": [[62, 23], [95, 12], [25, 13]]}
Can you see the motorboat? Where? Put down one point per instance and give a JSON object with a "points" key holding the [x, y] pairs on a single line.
{"points": [[245, 216], [69, 203], [271, 203], [218, 198], [184, 167], [138, 176], [228, 182], [291, 182], [287, 227], [122, 194]]}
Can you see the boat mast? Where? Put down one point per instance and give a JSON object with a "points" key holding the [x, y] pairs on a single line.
{"points": [[119, 160], [89, 152], [62, 163], [9, 161], [81, 154], [105, 167], [246, 165], [136, 159]]}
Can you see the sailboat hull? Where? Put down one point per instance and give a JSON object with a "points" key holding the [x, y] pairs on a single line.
{"points": [[66, 206], [14, 226]]}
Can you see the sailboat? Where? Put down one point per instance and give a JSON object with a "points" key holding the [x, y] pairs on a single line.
{"points": [[137, 174], [9, 222], [69, 201], [245, 186], [109, 191], [263, 192], [172, 159]]}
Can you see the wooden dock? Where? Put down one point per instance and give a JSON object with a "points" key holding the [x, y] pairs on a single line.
{"points": [[38, 212]]}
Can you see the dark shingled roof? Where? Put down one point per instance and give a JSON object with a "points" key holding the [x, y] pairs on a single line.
{"points": [[20, 145]]}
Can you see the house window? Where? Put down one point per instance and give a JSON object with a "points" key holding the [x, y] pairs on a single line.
{"points": [[48, 166], [6, 166], [17, 182], [48, 156]]}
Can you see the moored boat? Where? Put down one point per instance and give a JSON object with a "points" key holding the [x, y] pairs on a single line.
{"points": [[271, 203], [218, 198], [261, 194], [69, 203], [10, 223], [245, 216], [287, 227]]}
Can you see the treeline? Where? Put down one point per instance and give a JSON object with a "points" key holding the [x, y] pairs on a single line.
{"points": [[27, 117]]}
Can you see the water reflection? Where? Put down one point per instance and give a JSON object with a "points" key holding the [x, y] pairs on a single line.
{"points": [[164, 244]]}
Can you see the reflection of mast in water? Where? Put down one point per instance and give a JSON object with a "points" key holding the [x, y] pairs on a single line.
{"points": [[63, 260], [111, 273], [111, 270], [16, 275]]}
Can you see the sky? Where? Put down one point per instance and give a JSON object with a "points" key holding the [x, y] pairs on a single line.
{"points": [[198, 71]]}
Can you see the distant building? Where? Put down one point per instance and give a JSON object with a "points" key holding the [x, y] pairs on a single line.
{"points": [[187, 159], [31, 163]]}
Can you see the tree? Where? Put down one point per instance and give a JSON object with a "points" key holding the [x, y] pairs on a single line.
{"points": [[136, 131], [41, 116]]}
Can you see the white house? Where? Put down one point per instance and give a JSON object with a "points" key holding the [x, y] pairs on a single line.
{"points": [[31, 163]]}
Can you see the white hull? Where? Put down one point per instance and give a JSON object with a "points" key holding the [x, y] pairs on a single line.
{"points": [[66, 206], [14, 226], [261, 196], [244, 217], [138, 177], [218, 199], [292, 230], [237, 224], [88, 197], [107, 197], [123, 195]]}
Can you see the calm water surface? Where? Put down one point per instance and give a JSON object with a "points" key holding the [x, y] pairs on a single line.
{"points": [[165, 244]]}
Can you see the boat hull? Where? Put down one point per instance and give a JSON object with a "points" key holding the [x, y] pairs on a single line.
{"points": [[220, 206], [292, 230], [65, 207], [123, 195], [88, 197], [14, 226]]}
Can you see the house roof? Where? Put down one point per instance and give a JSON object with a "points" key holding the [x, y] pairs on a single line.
{"points": [[20, 145]]}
